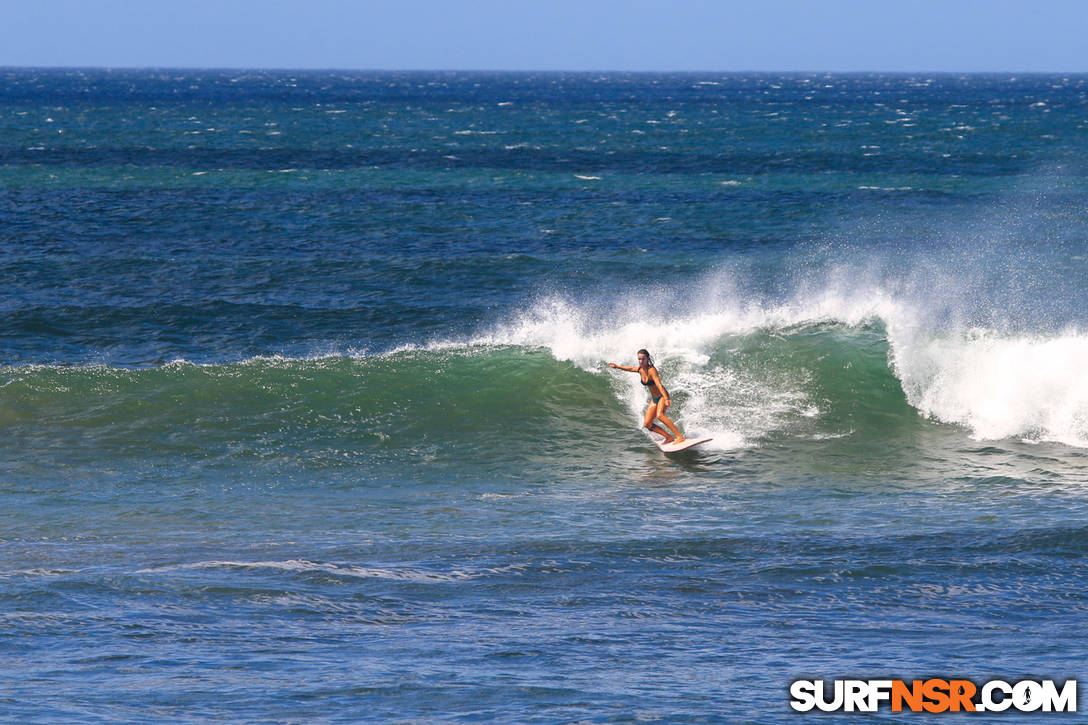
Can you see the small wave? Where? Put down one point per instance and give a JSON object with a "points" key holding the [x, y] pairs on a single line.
{"points": [[37, 573], [303, 566]]}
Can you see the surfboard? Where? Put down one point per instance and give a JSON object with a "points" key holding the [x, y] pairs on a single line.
{"points": [[682, 445]]}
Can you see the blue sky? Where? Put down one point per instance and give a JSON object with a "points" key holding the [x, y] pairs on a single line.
{"points": [[637, 35]]}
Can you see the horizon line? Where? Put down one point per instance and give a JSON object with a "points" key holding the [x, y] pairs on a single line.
{"points": [[334, 69]]}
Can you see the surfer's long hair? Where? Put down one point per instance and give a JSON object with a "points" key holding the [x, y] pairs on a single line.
{"points": [[649, 358]]}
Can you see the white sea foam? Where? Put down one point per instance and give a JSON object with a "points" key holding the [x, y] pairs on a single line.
{"points": [[999, 386]]}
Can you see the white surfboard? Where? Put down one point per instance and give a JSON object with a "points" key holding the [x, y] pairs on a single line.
{"points": [[682, 445]]}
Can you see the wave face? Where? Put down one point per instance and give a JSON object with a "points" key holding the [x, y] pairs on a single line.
{"points": [[833, 366]]}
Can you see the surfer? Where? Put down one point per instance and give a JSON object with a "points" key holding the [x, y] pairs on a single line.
{"points": [[648, 374]]}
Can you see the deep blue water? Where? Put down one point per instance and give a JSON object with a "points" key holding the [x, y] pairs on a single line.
{"points": [[307, 416]]}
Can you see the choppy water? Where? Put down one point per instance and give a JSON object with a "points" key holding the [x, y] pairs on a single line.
{"points": [[307, 417]]}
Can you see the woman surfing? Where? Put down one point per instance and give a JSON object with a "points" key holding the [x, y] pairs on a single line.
{"points": [[660, 397]]}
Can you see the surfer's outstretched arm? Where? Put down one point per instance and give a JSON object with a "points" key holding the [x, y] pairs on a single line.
{"points": [[628, 368]]}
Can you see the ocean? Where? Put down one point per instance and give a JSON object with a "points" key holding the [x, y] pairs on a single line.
{"points": [[307, 415]]}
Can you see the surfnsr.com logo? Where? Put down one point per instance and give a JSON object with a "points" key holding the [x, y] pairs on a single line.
{"points": [[934, 695]]}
